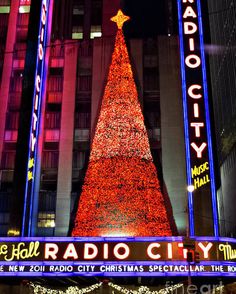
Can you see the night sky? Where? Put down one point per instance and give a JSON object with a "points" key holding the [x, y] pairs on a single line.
{"points": [[148, 17]]}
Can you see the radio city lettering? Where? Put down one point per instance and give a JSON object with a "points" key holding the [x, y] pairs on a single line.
{"points": [[37, 92], [120, 251], [55, 251], [78, 256], [199, 158], [193, 61]]}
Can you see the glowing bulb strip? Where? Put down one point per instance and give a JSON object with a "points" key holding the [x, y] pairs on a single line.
{"points": [[145, 290], [71, 290]]}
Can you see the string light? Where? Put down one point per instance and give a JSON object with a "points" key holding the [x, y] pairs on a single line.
{"points": [[145, 290], [121, 194], [76, 290], [71, 290]]}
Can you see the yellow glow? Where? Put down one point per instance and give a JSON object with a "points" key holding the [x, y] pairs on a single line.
{"points": [[120, 18], [24, 9], [13, 233], [95, 35], [4, 9], [77, 36]]}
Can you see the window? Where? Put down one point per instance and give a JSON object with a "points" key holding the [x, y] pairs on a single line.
{"points": [[82, 120], [55, 84], [23, 20], [16, 84], [3, 27], [50, 159], [47, 200], [85, 83], [77, 33], [20, 50], [78, 159], [12, 120], [52, 120], [25, 2], [24, 9], [86, 48], [4, 9], [57, 50], [46, 220], [96, 31], [8, 159], [151, 79]]}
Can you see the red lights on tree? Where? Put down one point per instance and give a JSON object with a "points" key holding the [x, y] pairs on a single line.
{"points": [[121, 194]]}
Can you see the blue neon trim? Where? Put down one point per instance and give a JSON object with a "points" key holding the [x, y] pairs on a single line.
{"points": [[116, 239], [36, 144], [220, 274], [186, 124], [208, 124], [42, 83]]}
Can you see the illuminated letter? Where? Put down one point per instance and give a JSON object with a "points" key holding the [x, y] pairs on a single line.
{"points": [[150, 248], [205, 249], [118, 247], [185, 1], [40, 51], [105, 251], [36, 101], [170, 251], [195, 63], [191, 44], [197, 127], [35, 119], [87, 248], [189, 12], [42, 35], [196, 110], [190, 28], [199, 149], [43, 19], [191, 89], [38, 80], [33, 142], [70, 252], [51, 250], [185, 251]]}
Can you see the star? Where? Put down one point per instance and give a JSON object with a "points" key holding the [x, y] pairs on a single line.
{"points": [[120, 18]]}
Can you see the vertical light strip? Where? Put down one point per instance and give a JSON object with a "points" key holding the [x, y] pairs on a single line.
{"points": [[30, 189], [208, 125], [42, 85], [186, 124]]}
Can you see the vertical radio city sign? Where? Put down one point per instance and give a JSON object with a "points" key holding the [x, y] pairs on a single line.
{"points": [[36, 109], [199, 158]]}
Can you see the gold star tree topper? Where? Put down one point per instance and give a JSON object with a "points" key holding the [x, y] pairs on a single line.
{"points": [[120, 18]]}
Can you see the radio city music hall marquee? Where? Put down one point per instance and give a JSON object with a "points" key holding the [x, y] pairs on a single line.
{"points": [[115, 256]]}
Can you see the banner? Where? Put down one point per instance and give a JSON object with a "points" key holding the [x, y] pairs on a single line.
{"points": [[117, 256]]}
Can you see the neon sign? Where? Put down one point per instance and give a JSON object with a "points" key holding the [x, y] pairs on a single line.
{"points": [[199, 158], [36, 111], [115, 256]]}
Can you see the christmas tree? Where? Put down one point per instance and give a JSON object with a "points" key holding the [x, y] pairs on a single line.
{"points": [[121, 195]]}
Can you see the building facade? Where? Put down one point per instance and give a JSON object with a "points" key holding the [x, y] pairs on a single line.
{"points": [[77, 56], [223, 78]]}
